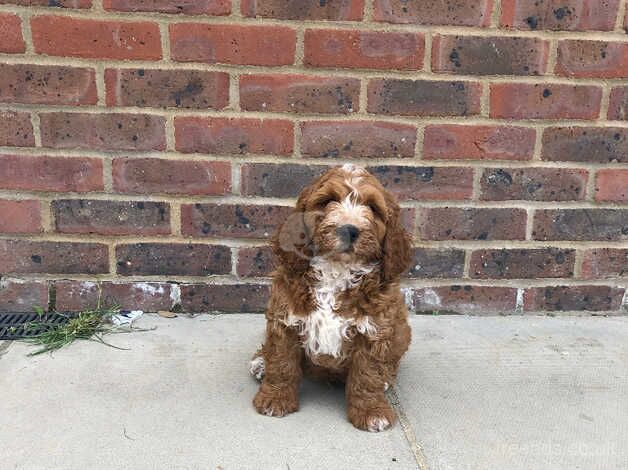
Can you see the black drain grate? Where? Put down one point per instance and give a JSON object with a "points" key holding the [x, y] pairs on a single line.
{"points": [[14, 325]]}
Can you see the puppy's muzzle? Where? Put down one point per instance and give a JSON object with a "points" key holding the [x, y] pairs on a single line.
{"points": [[347, 234]]}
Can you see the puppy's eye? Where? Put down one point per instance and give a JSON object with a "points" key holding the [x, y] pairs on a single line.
{"points": [[322, 203]]}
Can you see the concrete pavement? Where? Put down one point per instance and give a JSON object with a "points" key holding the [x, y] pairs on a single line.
{"points": [[474, 393]]}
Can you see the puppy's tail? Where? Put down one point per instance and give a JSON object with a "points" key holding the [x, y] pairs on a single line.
{"points": [[256, 366]]}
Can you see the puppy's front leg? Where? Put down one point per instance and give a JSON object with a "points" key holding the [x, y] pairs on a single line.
{"points": [[367, 406], [278, 394]]}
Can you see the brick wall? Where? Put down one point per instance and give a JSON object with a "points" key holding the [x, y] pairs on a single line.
{"points": [[149, 148]]}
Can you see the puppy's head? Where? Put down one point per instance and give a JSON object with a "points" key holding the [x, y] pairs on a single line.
{"points": [[345, 216]]}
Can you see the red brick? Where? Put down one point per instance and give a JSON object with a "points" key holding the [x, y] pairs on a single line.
{"points": [[618, 106], [585, 144], [232, 220], [277, 180], [167, 88], [20, 216], [227, 298], [581, 224], [546, 101], [533, 184], [186, 7], [60, 174], [465, 299], [571, 298], [611, 185], [599, 59], [426, 183], [51, 3], [299, 94], [158, 259], [115, 131], [11, 41], [23, 256], [111, 217], [160, 176], [340, 10], [453, 223], [96, 39], [235, 136], [255, 262], [17, 296], [448, 141], [455, 13], [605, 262], [363, 49], [479, 55], [560, 15], [423, 97], [436, 263], [522, 264], [232, 44], [75, 296], [16, 129], [47, 84], [357, 139]]}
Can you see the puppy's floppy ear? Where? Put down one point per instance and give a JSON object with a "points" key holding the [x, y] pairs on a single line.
{"points": [[292, 244], [397, 245]]}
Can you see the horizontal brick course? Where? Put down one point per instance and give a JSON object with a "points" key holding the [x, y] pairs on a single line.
{"points": [[277, 180], [436, 263], [592, 59], [16, 129], [20, 216], [18, 296], [618, 104], [581, 224], [449, 223], [585, 144], [611, 185], [479, 300], [341, 10], [229, 298], [533, 184], [51, 3], [186, 7], [605, 262], [11, 40], [522, 264], [255, 262], [569, 298], [456, 12]]}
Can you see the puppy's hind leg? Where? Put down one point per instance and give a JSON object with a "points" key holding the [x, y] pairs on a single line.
{"points": [[256, 366]]}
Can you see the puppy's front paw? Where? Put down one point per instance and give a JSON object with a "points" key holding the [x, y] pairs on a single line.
{"points": [[275, 402], [373, 417]]}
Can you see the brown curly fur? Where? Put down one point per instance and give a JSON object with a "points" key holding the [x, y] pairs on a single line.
{"points": [[368, 362]]}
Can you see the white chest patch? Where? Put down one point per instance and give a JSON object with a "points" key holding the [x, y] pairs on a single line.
{"points": [[323, 330]]}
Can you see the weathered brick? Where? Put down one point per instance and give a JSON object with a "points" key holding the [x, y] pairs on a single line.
{"points": [[277, 180], [357, 139], [112, 131], [232, 220], [611, 185], [51, 3], [229, 298], [235, 136], [20, 216], [75, 296], [186, 7], [337, 10], [11, 41], [160, 176], [585, 144], [465, 299], [533, 184], [436, 263], [522, 264], [255, 262], [96, 39], [16, 129], [167, 88], [299, 94], [479, 55], [605, 262], [570, 298], [47, 84], [454, 12], [24, 256], [600, 59], [560, 15], [111, 217], [618, 105], [580, 224], [17, 296], [423, 97], [232, 44], [75, 174], [449, 141], [363, 49], [172, 259], [426, 183], [544, 101], [452, 223]]}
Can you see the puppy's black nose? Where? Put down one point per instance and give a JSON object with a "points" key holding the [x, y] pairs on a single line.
{"points": [[348, 233]]}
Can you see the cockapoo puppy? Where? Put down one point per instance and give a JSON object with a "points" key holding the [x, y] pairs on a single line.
{"points": [[336, 311]]}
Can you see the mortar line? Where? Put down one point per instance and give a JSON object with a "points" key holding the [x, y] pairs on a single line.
{"points": [[47, 216], [368, 11], [427, 54], [605, 101], [236, 10], [590, 186], [97, 6], [538, 145], [234, 262], [27, 35], [236, 178], [485, 99], [530, 215], [35, 123], [476, 194], [101, 87], [234, 92], [363, 97], [420, 139], [164, 35], [466, 269], [552, 57], [170, 134], [299, 50], [578, 263], [496, 14], [621, 12], [107, 176], [175, 218]]}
